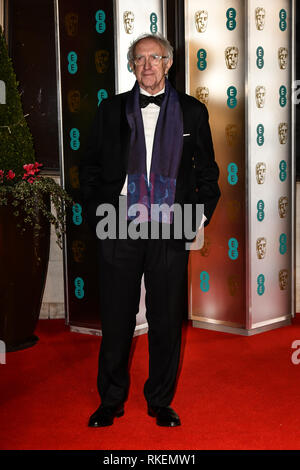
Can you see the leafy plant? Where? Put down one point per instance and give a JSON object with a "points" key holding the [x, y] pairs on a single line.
{"points": [[21, 184]]}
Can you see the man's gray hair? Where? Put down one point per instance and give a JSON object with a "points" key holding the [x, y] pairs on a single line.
{"points": [[156, 37]]}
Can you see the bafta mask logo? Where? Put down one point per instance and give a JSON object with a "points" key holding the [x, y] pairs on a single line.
{"points": [[283, 205], [283, 57], [233, 285], [231, 132], [283, 132], [71, 24], [128, 20], [231, 57], [260, 17], [202, 94], [205, 250], [260, 96], [201, 18], [233, 210], [283, 277], [261, 171], [102, 60], [74, 177], [261, 247], [74, 101], [78, 249]]}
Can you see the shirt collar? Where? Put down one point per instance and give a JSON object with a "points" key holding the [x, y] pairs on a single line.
{"points": [[144, 92]]}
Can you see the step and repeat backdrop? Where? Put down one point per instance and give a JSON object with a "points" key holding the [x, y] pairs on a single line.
{"points": [[239, 62], [92, 43]]}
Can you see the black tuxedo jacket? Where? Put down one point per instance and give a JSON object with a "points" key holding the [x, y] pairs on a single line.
{"points": [[103, 170]]}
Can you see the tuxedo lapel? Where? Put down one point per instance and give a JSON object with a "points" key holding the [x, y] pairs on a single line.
{"points": [[124, 132]]}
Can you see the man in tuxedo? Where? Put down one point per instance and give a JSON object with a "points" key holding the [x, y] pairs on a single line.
{"points": [[151, 145]]}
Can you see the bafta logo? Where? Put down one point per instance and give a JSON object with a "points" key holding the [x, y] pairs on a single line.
{"points": [[260, 17], [201, 18], [231, 132], [282, 57], [283, 205], [202, 94], [73, 99], [283, 279], [233, 210], [261, 247], [231, 57], [71, 24], [128, 20], [261, 171], [78, 249], [283, 132], [260, 96], [102, 60], [74, 177], [233, 285]]}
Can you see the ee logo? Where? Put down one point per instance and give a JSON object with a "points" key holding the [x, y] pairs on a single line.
{"points": [[231, 94], [233, 249], [100, 21], [79, 285], [282, 168], [282, 17], [260, 210], [201, 63], [102, 95], [260, 57], [260, 284], [204, 281], [282, 96], [72, 63], [74, 142], [153, 23], [77, 214], [231, 16], [283, 244], [260, 135], [232, 173]]}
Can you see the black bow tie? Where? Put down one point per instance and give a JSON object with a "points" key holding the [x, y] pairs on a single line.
{"points": [[145, 100]]}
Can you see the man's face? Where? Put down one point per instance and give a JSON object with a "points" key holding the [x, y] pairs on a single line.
{"points": [[151, 77]]}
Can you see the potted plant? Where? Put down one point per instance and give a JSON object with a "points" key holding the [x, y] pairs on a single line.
{"points": [[29, 204]]}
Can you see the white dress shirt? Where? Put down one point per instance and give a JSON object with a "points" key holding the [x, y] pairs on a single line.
{"points": [[150, 116]]}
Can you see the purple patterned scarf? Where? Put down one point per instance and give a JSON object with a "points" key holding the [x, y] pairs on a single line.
{"points": [[166, 155]]}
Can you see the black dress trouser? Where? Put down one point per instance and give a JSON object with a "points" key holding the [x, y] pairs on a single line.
{"points": [[121, 266]]}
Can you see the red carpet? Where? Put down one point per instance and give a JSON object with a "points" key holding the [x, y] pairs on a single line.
{"points": [[233, 393]]}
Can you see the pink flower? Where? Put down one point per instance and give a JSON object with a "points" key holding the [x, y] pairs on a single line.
{"points": [[31, 170], [10, 175]]}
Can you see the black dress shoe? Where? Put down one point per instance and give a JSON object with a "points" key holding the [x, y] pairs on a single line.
{"points": [[104, 416], [165, 416]]}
